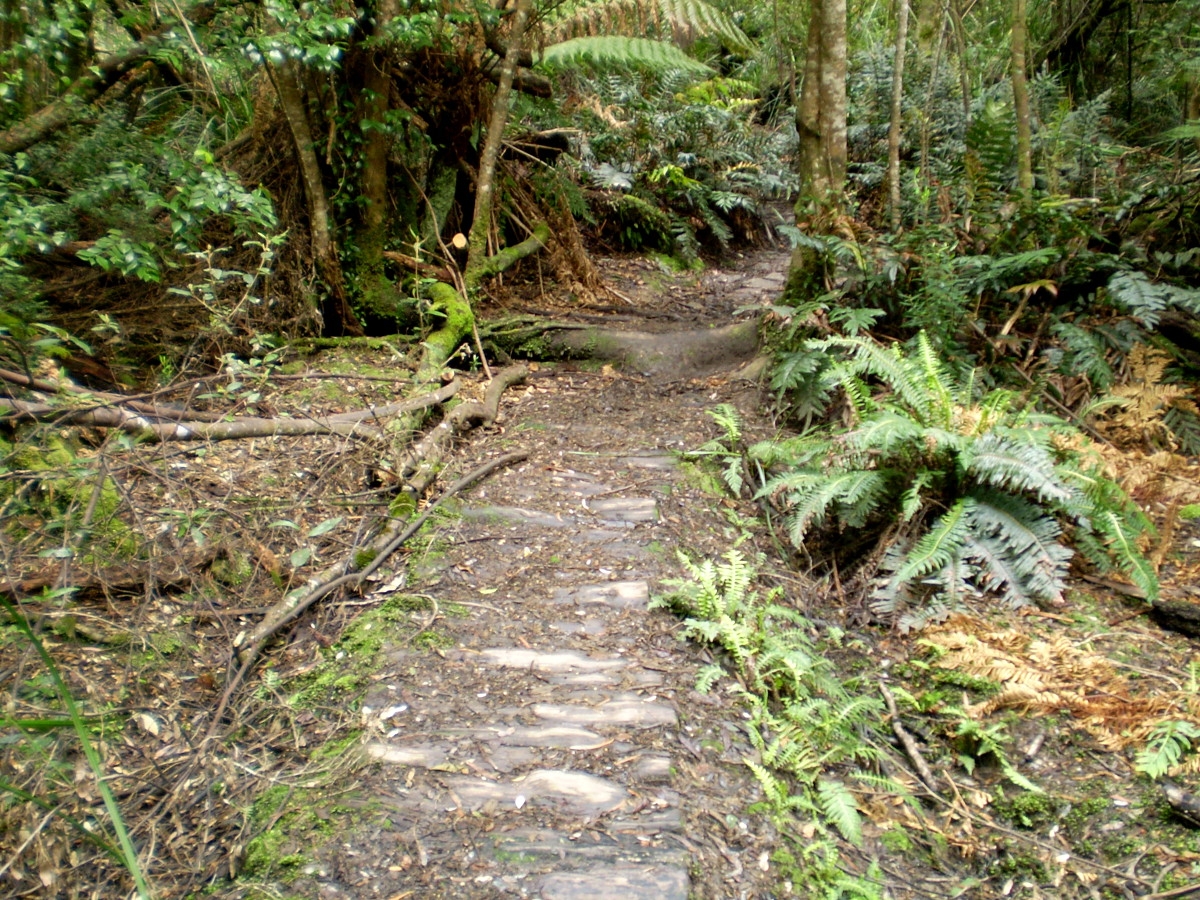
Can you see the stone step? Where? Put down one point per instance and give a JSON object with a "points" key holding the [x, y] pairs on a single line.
{"points": [[613, 594], [516, 515], [557, 661], [631, 510], [627, 711], [568, 792]]}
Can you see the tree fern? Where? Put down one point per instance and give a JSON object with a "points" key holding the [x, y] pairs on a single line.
{"points": [[683, 21], [629, 52]]}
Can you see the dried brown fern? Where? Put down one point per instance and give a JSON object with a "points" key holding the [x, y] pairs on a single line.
{"points": [[1039, 676]]}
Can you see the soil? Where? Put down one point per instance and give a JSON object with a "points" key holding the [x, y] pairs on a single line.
{"points": [[504, 713]]}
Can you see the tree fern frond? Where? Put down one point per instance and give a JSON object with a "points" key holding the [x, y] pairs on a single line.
{"points": [[683, 21], [635, 53]]}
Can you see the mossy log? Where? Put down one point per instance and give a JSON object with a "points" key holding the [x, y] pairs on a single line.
{"points": [[675, 354]]}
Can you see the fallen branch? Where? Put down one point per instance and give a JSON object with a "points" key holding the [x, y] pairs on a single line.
{"points": [[343, 574], [419, 469], [907, 743], [146, 428]]}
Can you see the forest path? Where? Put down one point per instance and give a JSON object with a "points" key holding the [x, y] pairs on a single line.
{"points": [[548, 740]]}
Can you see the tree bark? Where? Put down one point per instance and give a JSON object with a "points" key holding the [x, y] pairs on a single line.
{"points": [[897, 113], [964, 79], [1020, 90], [485, 187], [377, 291], [329, 268], [821, 115]]}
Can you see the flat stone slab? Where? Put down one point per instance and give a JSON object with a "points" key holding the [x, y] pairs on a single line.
{"points": [[614, 594], [517, 516], [562, 736], [634, 713], [544, 848], [577, 793], [634, 509], [423, 756], [662, 462], [548, 661], [617, 883]]}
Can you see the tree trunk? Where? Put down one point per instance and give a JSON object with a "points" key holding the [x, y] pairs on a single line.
{"points": [[964, 78], [378, 295], [329, 269], [485, 187], [1020, 90], [897, 117], [821, 122]]}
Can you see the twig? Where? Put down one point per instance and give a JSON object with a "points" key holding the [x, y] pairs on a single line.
{"points": [[291, 607], [907, 742]]}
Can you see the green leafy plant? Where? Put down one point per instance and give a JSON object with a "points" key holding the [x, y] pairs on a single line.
{"points": [[963, 494], [804, 722], [124, 852], [1166, 747]]}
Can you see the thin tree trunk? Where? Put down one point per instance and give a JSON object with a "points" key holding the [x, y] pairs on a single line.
{"points": [[329, 268], [821, 114], [1193, 106], [1020, 89], [964, 78], [808, 113], [485, 186], [377, 293], [897, 117]]}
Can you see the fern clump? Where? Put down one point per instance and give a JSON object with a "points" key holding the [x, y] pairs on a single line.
{"points": [[958, 495], [803, 720]]}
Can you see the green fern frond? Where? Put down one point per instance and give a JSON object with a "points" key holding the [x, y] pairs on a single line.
{"points": [[729, 421], [840, 808], [940, 545], [707, 676], [683, 21], [1028, 543], [1121, 541], [999, 461], [1168, 743], [634, 53], [886, 432], [937, 382]]}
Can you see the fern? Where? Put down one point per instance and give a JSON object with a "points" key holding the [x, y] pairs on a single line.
{"points": [[627, 52], [987, 500], [1168, 743], [940, 546], [801, 719], [839, 807], [683, 21]]}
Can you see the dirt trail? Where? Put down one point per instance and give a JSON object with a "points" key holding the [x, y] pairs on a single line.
{"points": [[556, 747]]}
